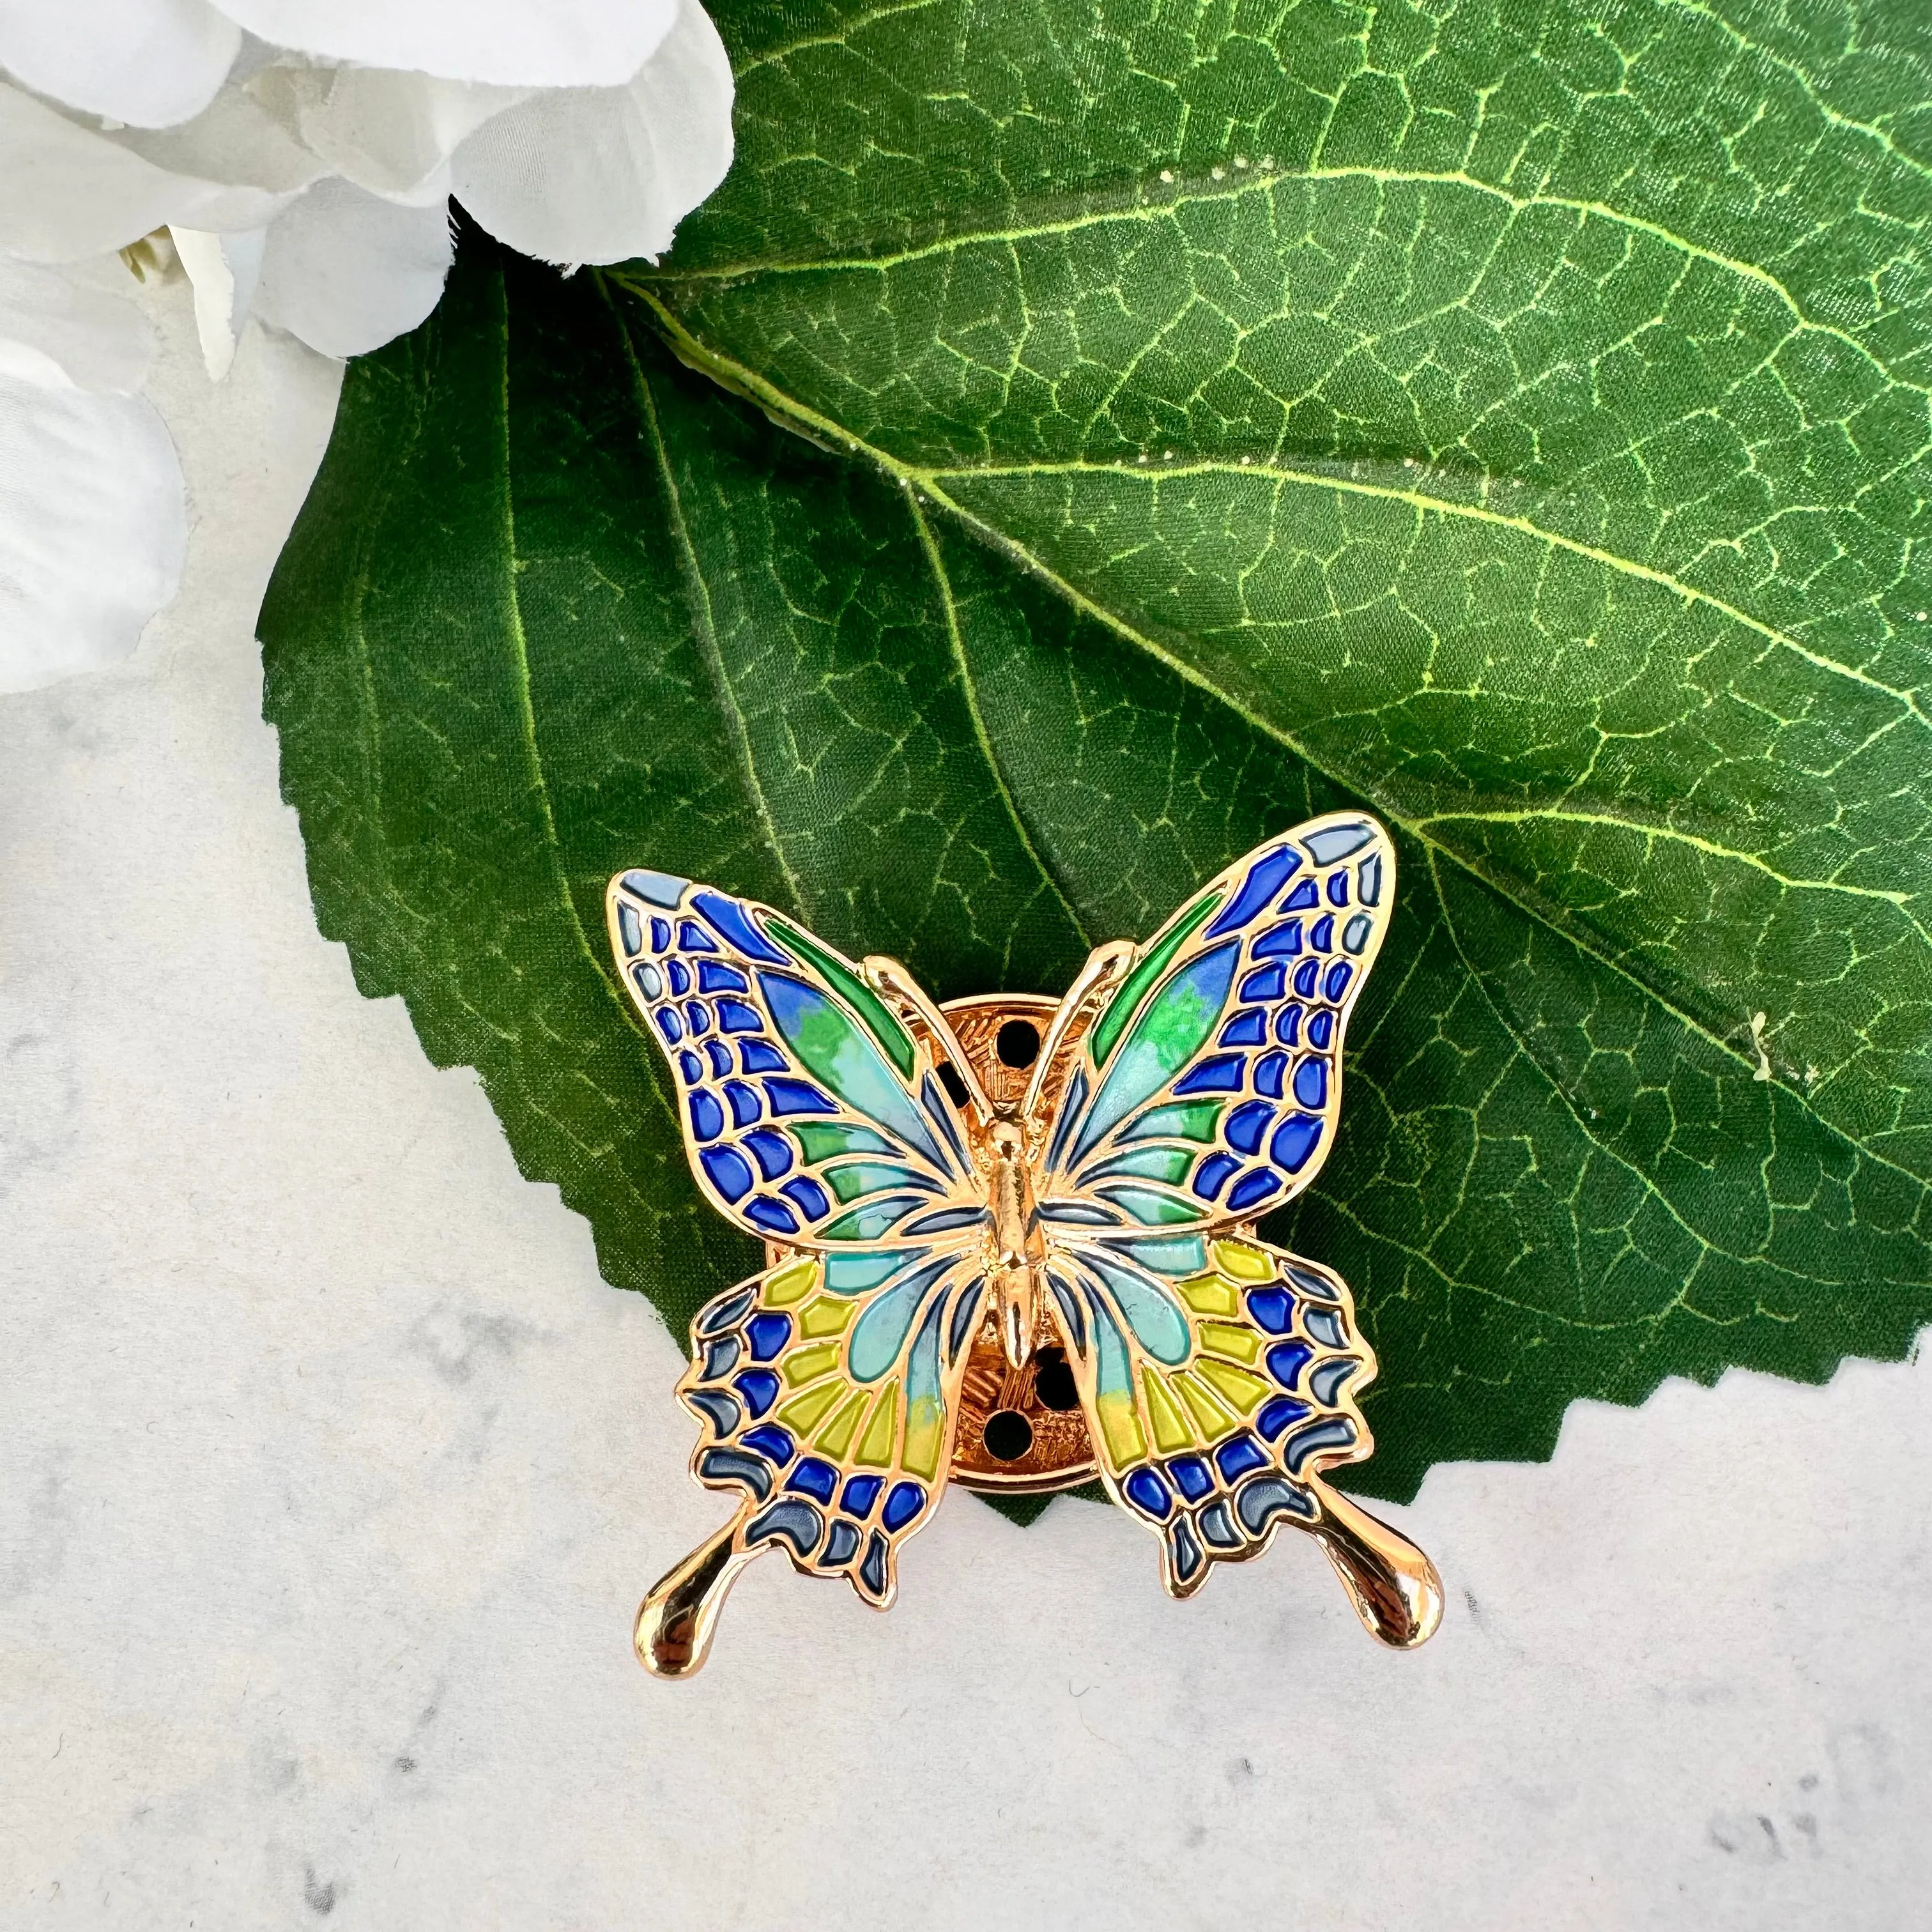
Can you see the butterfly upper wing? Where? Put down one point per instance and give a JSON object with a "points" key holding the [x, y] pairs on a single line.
{"points": [[833, 1412], [1217, 1373], [811, 1114]]}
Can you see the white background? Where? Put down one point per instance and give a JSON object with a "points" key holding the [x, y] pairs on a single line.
{"points": [[330, 1473]]}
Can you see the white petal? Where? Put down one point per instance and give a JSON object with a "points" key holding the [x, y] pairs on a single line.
{"points": [[148, 62], [93, 529], [224, 270], [235, 139], [71, 193], [392, 133], [606, 174], [345, 271], [559, 43], [54, 329]]}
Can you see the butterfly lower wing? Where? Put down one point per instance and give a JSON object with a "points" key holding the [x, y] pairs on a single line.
{"points": [[1207, 1090], [810, 1114], [833, 1414], [1218, 1377]]}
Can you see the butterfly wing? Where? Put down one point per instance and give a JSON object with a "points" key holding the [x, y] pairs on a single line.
{"points": [[828, 1384], [811, 1114], [1217, 1373]]}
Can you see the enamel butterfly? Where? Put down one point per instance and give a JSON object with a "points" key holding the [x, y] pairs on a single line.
{"points": [[970, 1247]]}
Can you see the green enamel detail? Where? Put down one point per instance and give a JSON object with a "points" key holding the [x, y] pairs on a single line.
{"points": [[866, 1177], [869, 1222], [854, 1274], [818, 1140], [1188, 1120], [1170, 1164], [863, 1001], [1149, 1206], [1121, 1008]]}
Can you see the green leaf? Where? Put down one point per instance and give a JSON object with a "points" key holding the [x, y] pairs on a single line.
{"points": [[1515, 420]]}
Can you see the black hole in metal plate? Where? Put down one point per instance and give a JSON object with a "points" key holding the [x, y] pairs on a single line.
{"points": [[1017, 1044], [949, 1079], [1009, 1435], [1053, 1382]]}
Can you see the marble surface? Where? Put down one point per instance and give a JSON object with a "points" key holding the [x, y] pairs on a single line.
{"points": [[333, 1472]]}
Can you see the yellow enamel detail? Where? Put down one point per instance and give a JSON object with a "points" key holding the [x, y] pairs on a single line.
{"points": [[827, 1315], [802, 1412], [1244, 1391], [790, 1284], [925, 1435], [1243, 1345], [876, 1448], [1212, 1416], [807, 1365], [1170, 1431], [1209, 1295], [1120, 1428], [835, 1438], [1239, 1262]]}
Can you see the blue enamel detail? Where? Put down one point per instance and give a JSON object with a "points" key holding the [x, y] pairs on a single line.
{"points": [[693, 938], [1307, 976], [1332, 1431], [714, 977], [1325, 1325], [767, 1332], [1272, 1309], [905, 1503], [1251, 1188], [797, 1096], [1268, 1071], [770, 1441], [760, 1388], [743, 1102], [680, 976], [1282, 1413], [1287, 1022], [1294, 1141], [772, 1151], [774, 1217], [1279, 942], [729, 1171], [1338, 842], [944, 1222], [1355, 933], [1071, 1104], [1246, 1126], [657, 889], [1238, 1456], [861, 1493], [1148, 1494], [1322, 935], [1286, 1360], [808, 1196], [1070, 1310], [1268, 984], [1321, 1029], [735, 926], [1305, 896], [697, 1017], [719, 1055], [1148, 1310], [660, 934], [1369, 880], [880, 1331], [1174, 1255], [1219, 1073], [648, 979], [841, 1546], [1338, 889], [853, 1274], [690, 1066], [1338, 975], [1191, 1476], [1078, 1214], [1311, 1082], [815, 1479], [1325, 1384], [1266, 877], [1245, 1029], [630, 931], [707, 1117], [1212, 1174], [669, 1025]]}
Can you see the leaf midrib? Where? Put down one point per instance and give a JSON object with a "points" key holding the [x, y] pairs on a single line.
{"points": [[738, 380]]}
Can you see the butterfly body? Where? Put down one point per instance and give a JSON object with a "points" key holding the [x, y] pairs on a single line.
{"points": [[946, 1230]]}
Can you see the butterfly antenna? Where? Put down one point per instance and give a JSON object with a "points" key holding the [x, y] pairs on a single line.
{"points": [[1106, 966], [893, 983]]}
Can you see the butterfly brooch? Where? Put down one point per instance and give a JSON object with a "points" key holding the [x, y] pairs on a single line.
{"points": [[1009, 1241]]}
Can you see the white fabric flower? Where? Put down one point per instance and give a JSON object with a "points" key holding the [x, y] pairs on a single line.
{"points": [[301, 154]]}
